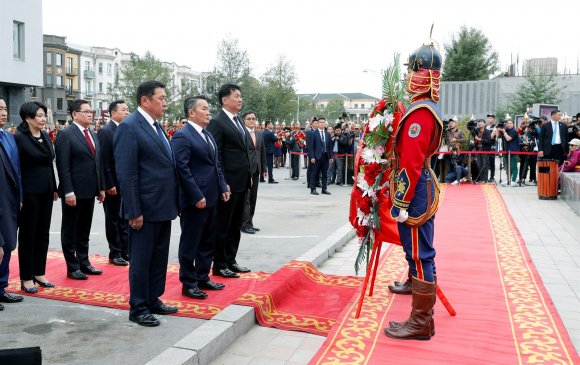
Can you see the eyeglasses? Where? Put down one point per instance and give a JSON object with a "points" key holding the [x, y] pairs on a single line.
{"points": [[40, 115], [250, 118], [85, 111]]}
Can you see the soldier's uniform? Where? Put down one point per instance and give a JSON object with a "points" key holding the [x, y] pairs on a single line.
{"points": [[414, 190], [293, 146]]}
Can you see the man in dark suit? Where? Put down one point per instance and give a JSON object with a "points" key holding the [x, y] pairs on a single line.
{"points": [[80, 181], [202, 186], [319, 149], [269, 141], [553, 139], [10, 193], [148, 183], [257, 153], [231, 138], [116, 227]]}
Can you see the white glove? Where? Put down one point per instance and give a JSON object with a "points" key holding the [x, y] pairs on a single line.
{"points": [[403, 216]]}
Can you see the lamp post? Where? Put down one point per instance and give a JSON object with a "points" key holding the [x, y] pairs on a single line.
{"points": [[297, 107]]}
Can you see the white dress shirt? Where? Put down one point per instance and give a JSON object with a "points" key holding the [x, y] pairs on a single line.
{"points": [[556, 130], [200, 131]]}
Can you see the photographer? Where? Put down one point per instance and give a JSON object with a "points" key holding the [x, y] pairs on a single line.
{"points": [[528, 143], [454, 136], [339, 145], [511, 143], [490, 126], [483, 142], [458, 170]]}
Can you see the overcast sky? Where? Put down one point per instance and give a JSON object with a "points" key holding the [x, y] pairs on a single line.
{"points": [[330, 42]]}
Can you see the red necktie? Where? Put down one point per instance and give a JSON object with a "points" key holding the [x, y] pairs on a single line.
{"points": [[89, 141]]}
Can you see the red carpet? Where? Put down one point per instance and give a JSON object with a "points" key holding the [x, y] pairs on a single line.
{"points": [[111, 289], [504, 314], [299, 297]]}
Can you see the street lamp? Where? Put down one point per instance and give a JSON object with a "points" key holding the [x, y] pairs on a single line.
{"points": [[297, 108]]}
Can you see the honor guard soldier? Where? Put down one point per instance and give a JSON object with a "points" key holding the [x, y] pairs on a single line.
{"points": [[415, 193]]}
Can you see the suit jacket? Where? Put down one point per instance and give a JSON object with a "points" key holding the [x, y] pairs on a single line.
{"points": [[198, 168], [545, 138], [257, 153], [315, 145], [106, 135], [232, 152], [9, 202], [36, 163], [145, 171], [269, 140], [79, 171]]}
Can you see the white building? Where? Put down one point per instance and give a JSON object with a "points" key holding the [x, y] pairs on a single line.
{"points": [[21, 52]]}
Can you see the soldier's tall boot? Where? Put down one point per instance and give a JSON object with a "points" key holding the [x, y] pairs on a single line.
{"points": [[394, 324], [418, 326], [402, 288]]}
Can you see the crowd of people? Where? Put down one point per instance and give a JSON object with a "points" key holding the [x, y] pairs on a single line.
{"points": [[472, 156]]}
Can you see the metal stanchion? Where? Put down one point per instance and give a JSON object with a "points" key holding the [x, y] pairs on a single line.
{"points": [[509, 169]]}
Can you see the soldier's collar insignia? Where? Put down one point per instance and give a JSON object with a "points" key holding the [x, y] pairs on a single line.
{"points": [[414, 130]]}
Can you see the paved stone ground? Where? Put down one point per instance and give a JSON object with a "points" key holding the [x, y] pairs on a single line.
{"points": [[550, 229]]}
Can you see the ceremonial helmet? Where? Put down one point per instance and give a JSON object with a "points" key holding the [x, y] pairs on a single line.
{"points": [[425, 71]]}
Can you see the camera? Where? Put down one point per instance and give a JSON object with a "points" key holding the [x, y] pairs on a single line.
{"points": [[501, 124]]}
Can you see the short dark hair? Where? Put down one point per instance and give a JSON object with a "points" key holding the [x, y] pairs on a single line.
{"points": [[543, 117], [190, 103], [28, 110], [75, 106], [226, 90], [554, 112], [113, 105], [321, 118], [147, 89], [268, 122], [247, 113]]}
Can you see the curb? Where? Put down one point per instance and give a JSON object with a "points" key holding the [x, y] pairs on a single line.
{"points": [[209, 340]]}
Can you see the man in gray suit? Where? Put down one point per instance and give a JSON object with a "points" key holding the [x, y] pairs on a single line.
{"points": [[257, 154]]}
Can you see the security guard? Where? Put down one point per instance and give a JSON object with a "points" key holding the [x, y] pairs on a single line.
{"points": [[415, 193]]}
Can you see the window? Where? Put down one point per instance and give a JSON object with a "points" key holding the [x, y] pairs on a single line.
{"points": [[59, 81], [69, 65], [48, 58], [116, 70], [87, 65], [69, 85], [59, 103], [33, 92], [100, 87], [18, 40], [48, 80], [109, 69], [355, 106], [59, 59], [109, 87], [100, 68], [362, 106], [89, 88]]}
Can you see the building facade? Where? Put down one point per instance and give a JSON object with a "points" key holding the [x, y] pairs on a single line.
{"points": [[358, 106], [53, 93], [21, 53]]}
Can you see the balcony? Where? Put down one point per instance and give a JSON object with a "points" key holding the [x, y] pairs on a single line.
{"points": [[72, 71], [89, 94], [71, 92], [89, 74]]}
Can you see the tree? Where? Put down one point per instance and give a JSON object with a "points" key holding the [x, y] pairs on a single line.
{"points": [[536, 89], [138, 70], [333, 110], [469, 56], [279, 96]]}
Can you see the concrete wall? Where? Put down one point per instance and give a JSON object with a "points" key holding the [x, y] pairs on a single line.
{"points": [[29, 70]]}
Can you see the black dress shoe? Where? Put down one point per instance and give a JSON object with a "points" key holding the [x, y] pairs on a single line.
{"points": [[164, 309], [193, 293], [44, 284], [118, 261], [146, 320], [256, 229], [210, 285], [77, 275], [225, 273], [314, 192], [248, 230], [1, 307], [125, 257], [89, 270], [238, 268], [32, 290], [273, 182], [10, 298], [326, 192]]}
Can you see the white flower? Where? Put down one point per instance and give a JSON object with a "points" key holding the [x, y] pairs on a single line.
{"points": [[375, 121], [368, 155], [389, 118]]}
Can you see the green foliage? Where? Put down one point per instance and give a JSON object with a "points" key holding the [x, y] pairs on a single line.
{"points": [[279, 95], [138, 70], [536, 89], [333, 110], [469, 56]]}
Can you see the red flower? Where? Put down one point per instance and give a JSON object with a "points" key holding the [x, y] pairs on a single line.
{"points": [[371, 172], [365, 205], [361, 231]]}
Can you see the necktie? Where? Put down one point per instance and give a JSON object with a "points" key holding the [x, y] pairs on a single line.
{"points": [[207, 140], [323, 141], [88, 138], [253, 135], [239, 124], [554, 133], [162, 137]]}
